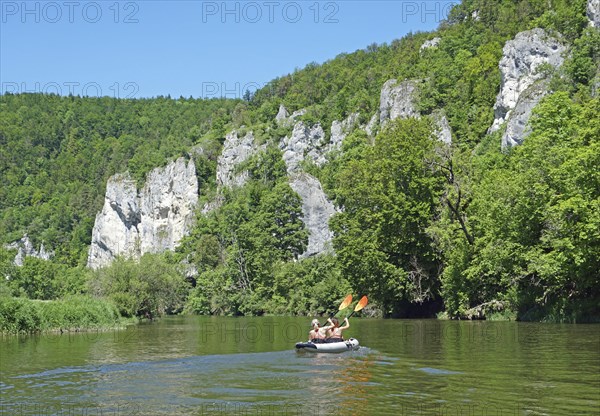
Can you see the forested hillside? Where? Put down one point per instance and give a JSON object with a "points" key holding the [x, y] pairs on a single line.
{"points": [[467, 229]]}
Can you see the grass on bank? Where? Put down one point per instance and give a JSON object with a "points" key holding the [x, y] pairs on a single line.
{"points": [[73, 313]]}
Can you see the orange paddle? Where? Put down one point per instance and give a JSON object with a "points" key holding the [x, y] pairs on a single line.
{"points": [[347, 301], [361, 304]]}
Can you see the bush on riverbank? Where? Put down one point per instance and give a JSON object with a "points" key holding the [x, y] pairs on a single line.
{"points": [[146, 288], [21, 315]]}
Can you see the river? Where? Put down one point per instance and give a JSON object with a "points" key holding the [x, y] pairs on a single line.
{"points": [[248, 366]]}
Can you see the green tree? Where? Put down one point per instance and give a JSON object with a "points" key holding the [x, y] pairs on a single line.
{"points": [[535, 222], [148, 288], [389, 199]]}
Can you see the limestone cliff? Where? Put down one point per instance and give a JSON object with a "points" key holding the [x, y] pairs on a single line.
{"points": [[316, 210], [25, 248], [431, 43], [235, 151], [522, 67], [309, 143], [593, 12], [399, 100], [305, 143], [151, 220]]}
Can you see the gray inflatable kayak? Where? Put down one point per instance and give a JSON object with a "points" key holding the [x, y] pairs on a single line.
{"points": [[347, 345]]}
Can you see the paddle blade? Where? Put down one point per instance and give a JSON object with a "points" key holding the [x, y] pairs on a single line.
{"points": [[361, 303], [347, 301]]}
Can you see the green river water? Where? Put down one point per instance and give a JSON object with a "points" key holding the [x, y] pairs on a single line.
{"points": [[248, 366]]}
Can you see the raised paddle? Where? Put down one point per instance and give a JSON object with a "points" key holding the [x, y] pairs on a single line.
{"points": [[361, 304], [347, 301]]}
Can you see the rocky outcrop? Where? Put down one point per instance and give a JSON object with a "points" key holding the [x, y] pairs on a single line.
{"points": [[521, 67], [371, 127], [316, 210], [431, 43], [400, 101], [516, 126], [25, 248], [284, 118], [593, 12], [397, 100], [235, 151], [282, 114], [444, 132], [308, 143], [305, 143], [339, 131], [153, 220]]}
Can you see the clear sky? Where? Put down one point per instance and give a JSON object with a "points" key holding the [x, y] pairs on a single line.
{"points": [[188, 48]]}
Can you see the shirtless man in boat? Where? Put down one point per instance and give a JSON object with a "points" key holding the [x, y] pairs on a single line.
{"points": [[318, 334], [335, 333]]}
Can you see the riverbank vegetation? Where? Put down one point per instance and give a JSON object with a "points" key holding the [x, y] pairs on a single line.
{"points": [[73, 313], [466, 230]]}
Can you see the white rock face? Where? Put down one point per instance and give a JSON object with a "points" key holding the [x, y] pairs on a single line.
{"points": [[151, 221], [444, 132], [431, 43], [519, 66], [340, 129], [308, 143], [397, 100], [593, 12], [25, 248], [304, 143], [371, 126], [168, 203], [516, 126], [235, 151], [284, 118], [282, 114], [316, 210]]}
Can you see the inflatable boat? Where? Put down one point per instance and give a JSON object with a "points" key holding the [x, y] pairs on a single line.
{"points": [[348, 345]]}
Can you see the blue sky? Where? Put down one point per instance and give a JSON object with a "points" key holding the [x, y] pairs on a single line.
{"points": [[189, 48]]}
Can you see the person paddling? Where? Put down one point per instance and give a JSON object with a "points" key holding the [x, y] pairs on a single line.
{"points": [[335, 333], [318, 334]]}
